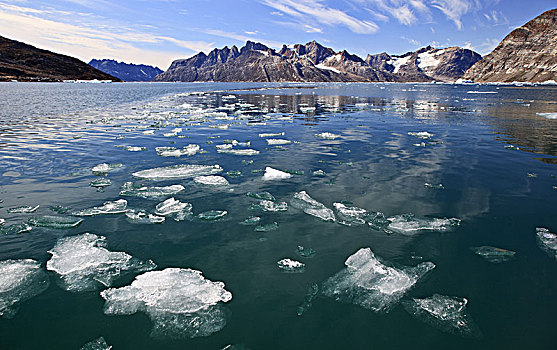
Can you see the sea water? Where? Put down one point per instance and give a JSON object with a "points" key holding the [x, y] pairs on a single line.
{"points": [[364, 185]]}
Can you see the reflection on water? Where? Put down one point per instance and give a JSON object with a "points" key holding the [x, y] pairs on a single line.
{"points": [[393, 139]]}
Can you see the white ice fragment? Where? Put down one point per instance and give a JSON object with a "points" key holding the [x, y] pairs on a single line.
{"points": [[239, 152], [289, 265], [143, 217], [135, 190], [104, 168], [274, 174], [188, 150], [424, 135], [367, 282], [278, 142], [270, 134], [327, 136], [211, 180], [547, 241], [548, 115], [174, 208], [115, 207], [180, 302], [178, 171], [23, 209], [20, 280], [409, 225], [303, 201]]}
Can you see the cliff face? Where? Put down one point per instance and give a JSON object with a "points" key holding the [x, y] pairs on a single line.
{"points": [[126, 71], [527, 54], [22, 62], [313, 62]]}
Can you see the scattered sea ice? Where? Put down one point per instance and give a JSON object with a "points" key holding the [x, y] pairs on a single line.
{"points": [[143, 217], [319, 173], [310, 206], [276, 134], [212, 215], [100, 183], [289, 265], [116, 207], [20, 280], [327, 136], [23, 209], [434, 186], [350, 215], [305, 252], [367, 282], [175, 209], [15, 229], [211, 180], [52, 221], [261, 195], [130, 189], [274, 174], [135, 148], [97, 344], [189, 150], [547, 241], [269, 206], [278, 142], [494, 254], [548, 115], [104, 168], [178, 171], [445, 313], [180, 302], [407, 224], [252, 220], [424, 135], [83, 263], [239, 152]]}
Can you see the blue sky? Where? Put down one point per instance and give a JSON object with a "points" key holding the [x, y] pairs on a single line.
{"points": [[158, 31]]}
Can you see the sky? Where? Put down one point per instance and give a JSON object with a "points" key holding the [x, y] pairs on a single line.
{"points": [[156, 32]]}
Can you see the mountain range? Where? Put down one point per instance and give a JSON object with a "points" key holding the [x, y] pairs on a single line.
{"points": [[314, 62], [23, 62], [126, 71]]}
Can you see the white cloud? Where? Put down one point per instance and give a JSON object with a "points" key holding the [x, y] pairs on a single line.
{"points": [[454, 9], [316, 10]]}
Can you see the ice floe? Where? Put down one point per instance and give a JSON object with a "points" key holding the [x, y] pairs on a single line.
{"points": [[269, 206], [274, 174], [278, 142], [181, 171], [180, 302], [15, 229], [301, 200], [100, 183], [52, 221], [327, 136], [548, 115], [239, 152], [23, 209], [104, 168], [83, 263], [116, 207], [434, 186], [211, 180], [350, 216], [130, 189], [20, 280], [445, 313], [271, 134], [212, 215], [289, 265], [408, 224], [494, 254], [424, 135], [174, 208], [252, 220], [188, 150], [143, 217], [368, 282], [547, 241]]}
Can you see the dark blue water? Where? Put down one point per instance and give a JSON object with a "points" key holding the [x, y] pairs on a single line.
{"points": [[492, 151]]}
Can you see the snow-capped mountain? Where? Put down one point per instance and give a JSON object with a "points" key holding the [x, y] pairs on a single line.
{"points": [[126, 71]]}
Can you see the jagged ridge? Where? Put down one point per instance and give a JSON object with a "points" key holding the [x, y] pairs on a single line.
{"points": [[126, 71]]}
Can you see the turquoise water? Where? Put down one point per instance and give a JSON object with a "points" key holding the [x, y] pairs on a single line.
{"points": [[493, 149]]}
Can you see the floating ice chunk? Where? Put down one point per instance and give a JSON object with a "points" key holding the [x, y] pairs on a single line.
{"points": [[434, 187], [409, 225], [303, 201], [180, 302], [548, 115], [305, 252], [2, 221], [55, 221], [234, 173], [211, 180], [116, 207], [327, 136], [270, 134], [129, 189], [289, 265], [224, 146], [212, 215], [97, 344], [175, 209], [189, 150], [135, 148], [421, 144], [547, 241], [83, 263], [494, 254], [20, 280], [104, 168], [181, 171], [367, 282], [270, 206], [100, 183], [23, 209], [261, 195], [308, 299], [239, 152], [267, 227], [350, 215], [274, 174], [445, 313], [252, 220], [148, 132], [143, 217], [512, 147], [424, 135], [319, 173], [15, 229], [278, 142]]}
